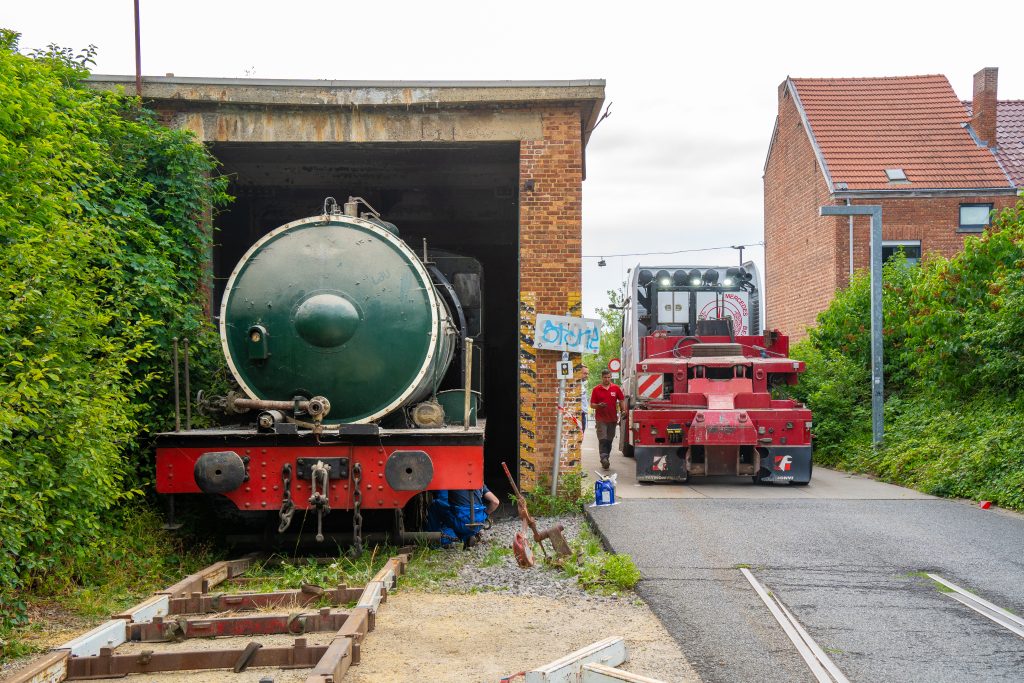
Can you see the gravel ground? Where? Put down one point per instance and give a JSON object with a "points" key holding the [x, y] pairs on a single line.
{"points": [[507, 577]]}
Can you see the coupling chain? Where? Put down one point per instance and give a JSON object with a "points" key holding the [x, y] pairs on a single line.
{"points": [[357, 510], [287, 506]]}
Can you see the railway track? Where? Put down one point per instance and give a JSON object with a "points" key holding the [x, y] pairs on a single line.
{"points": [[192, 608], [823, 668]]}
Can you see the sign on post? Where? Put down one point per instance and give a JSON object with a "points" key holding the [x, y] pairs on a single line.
{"points": [[565, 333], [564, 370], [615, 365]]}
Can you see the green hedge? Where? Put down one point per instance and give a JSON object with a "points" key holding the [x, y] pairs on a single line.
{"points": [[954, 364], [103, 247]]}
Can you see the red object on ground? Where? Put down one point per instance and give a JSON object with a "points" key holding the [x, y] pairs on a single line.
{"points": [[985, 504]]}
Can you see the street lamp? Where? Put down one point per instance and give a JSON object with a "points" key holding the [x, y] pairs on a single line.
{"points": [[877, 375]]}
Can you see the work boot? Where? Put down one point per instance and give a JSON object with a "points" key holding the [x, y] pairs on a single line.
{"points": [[605, 463]]}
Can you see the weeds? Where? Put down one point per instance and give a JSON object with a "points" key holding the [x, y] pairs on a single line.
{"points": [[278, 572], [573, 496], [431, 567], [596, 569], [136, 557]]}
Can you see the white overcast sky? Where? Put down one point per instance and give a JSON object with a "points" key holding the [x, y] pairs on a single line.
{"points": [[677, 165]]}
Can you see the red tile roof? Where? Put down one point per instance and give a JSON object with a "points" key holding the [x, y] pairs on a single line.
{"points": [[866, 125], [1009, 137]]}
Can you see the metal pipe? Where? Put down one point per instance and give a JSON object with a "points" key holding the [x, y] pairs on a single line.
{"points": [[558, 432], [138, 53], [318, 405], [188, 390], [177, 390], [468, 365], [851, 241]]}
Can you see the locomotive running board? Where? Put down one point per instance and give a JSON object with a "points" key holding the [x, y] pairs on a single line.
{"points": [[161, 618]]}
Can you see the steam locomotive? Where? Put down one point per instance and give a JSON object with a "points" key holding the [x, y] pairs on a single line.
{"points": [[341, 340], [698, 379]]}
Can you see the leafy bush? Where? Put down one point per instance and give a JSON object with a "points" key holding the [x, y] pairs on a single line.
{"points": [[954, 363], [103, 244]]}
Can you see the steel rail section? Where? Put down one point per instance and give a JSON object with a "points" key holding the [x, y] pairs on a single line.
{"points": [[812, 654], [1008, 620], [158, 617]]}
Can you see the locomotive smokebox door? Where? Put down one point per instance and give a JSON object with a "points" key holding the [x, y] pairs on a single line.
{"points": [[409, 470], [219, 472]]}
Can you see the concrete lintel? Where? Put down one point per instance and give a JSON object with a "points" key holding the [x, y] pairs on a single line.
{"points": [[281, 92], [235, 124]]}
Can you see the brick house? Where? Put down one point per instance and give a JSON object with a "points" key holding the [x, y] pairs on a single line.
{"points": [[907, 143]]}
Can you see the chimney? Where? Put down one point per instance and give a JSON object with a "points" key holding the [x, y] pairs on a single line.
{"points": [[983, 108]]}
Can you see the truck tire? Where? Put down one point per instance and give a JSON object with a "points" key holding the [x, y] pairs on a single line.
{"points": [[624, 445]]}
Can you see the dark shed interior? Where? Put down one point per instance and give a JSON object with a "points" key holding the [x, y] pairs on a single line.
{"points": [[460, 197]]}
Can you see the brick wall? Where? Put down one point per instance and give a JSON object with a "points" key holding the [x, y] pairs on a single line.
{"points": [[932, 220], [802, 251], [550, 281]]}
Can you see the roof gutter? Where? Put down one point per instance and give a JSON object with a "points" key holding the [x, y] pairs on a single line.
{"points": [[810, 133], [937, 192]]}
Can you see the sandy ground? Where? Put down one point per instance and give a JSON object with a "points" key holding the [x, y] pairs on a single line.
{"points": [[483, 637], [475, 637]]}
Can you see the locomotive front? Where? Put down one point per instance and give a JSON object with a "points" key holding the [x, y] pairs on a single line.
{"points": [[339, 337], [339, 307]]}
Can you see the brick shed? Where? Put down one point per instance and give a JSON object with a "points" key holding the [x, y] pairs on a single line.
{"points": [[907, 143], [487, 170]]}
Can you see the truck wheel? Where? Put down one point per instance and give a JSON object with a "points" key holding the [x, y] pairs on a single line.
{"points": [[624, 445]]}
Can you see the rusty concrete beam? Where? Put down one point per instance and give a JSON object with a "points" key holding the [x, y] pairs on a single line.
{"points": [[321, 93]]}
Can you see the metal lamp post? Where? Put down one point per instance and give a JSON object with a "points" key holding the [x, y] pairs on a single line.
{"points": [[877, 375]]}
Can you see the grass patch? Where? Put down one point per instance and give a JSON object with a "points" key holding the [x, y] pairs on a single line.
{"points": [[597, 570], [277, 572], [135, 558], [431, 567], [942, 588], [496, 556]]}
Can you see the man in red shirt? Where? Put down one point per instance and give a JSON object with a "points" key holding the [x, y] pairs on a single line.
{"points": [[607, 399]]}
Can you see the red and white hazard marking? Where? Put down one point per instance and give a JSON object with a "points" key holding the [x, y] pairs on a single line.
{"points": [[650, 385]]}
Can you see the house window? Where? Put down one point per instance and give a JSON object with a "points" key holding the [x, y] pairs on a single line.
{"points": [[911, 250], [974, 217]]}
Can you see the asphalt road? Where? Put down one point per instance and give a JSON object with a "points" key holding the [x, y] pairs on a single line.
{"points": [[846, 555]]}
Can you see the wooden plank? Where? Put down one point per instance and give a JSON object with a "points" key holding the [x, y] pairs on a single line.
{"points": [[601, 673], [569, 669]]}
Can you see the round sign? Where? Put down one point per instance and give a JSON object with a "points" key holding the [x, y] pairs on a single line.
{"points": [[615, 365]]}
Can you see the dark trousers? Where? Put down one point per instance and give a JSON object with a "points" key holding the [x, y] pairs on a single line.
{"points": [[605, 436]]}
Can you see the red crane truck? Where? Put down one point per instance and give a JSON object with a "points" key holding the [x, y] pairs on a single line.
{"points": [[699, 380]]}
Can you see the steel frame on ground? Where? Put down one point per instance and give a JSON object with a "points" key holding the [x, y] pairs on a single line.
{"points": [[164, 617]]}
